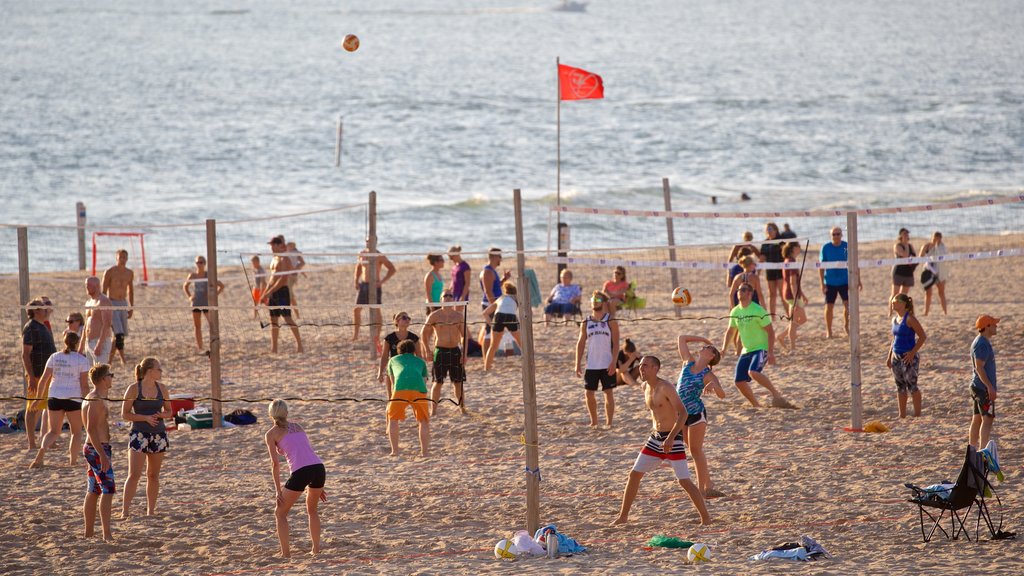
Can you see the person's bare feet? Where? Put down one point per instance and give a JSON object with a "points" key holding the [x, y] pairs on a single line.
{"points": [[620, 520], [36, 463], [780, 402], [714, 493]]}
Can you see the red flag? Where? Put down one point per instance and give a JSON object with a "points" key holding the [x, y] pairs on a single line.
{"points": [[578, 84]]}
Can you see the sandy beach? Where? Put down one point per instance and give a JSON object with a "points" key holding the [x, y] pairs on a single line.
{"points": [[784, 472]]}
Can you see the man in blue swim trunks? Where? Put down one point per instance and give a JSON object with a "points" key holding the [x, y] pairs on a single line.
{"points": [[754, 325], [101, 487]]}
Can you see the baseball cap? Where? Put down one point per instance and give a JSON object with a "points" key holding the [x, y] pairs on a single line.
{"points": [[279, 239], [984, 321]]}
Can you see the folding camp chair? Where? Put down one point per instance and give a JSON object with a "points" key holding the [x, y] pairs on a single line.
{"points": [[633, 302], [970, 492]]}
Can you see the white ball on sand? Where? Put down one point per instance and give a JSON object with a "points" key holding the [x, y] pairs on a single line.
{"points": [[505, 550], [699, 552], [681, 297]]}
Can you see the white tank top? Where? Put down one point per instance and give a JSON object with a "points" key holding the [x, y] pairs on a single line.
{"points": [[507, 305], [599, 344]]}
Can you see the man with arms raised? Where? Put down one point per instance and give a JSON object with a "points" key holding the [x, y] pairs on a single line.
{"points": [[117, 284], [98, 320], [447, 326], [278, 295], [665, 444]]}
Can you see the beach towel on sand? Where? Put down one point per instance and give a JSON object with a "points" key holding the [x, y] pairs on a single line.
{"points": [[566, 545]]}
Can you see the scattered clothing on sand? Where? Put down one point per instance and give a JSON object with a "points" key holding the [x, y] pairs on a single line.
{"points": [[805, 550]]}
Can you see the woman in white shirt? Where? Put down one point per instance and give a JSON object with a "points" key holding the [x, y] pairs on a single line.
{"points": [[66, 374], [502, 314]]}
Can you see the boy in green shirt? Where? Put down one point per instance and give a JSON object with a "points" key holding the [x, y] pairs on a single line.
{"points": [[754, 325], [409, 374]]}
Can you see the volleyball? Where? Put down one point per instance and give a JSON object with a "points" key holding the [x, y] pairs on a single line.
{"points": [[681, 297], [698, 553], [505, 549], [351, 43]]}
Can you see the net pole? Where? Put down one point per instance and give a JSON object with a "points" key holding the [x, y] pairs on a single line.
{"points": [[529, 378], [371, 273], [214, 320], [80, 216], [666, 191], [23, 284], [853, 267], [337, 145]]}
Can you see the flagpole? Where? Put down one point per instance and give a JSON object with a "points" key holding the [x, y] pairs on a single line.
{"points": [[558, 169]]}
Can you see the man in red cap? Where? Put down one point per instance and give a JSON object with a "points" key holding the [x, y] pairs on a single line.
{"points": [[983, 383]]}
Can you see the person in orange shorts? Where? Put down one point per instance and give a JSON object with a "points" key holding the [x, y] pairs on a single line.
{"points": [[408, 372]]}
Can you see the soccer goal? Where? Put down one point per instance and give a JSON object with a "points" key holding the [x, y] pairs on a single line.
{"points": [[110, 242]]}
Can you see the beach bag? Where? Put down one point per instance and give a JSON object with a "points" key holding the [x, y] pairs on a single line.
{"points": [[241, 417], [928, 277]]}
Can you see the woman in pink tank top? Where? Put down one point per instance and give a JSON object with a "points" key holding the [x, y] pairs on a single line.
{"points": [[307, 470]]}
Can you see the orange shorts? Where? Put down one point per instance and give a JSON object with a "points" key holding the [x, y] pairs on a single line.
{"points": [[396, 408], [256, 294]]}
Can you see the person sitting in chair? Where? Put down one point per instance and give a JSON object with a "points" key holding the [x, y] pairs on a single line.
{"points": [[564, 299]]}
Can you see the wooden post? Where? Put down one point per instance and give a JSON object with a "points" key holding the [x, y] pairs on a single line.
{"points": [[23, 286], [667, 192], [853, 267], [337, 144], [376, 315], [529, 378], [80, 215], [214, 318]]}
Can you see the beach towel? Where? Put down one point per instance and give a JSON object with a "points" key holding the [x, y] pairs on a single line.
{"points": [[566, 545], [991, 457], [806, 550], [531, 277], [668, 542]]}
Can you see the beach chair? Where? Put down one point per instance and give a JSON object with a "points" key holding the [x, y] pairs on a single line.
{"points": [[971, 492], [633, 302]]}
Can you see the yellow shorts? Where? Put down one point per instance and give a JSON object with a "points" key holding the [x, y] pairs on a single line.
{"points": [[396, 408], [37, 405]]}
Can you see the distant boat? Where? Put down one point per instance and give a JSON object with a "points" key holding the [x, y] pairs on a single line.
{"points": [[571, 6]]}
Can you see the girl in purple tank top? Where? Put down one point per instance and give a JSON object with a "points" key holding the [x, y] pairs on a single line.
{"points": [[307, 471]]}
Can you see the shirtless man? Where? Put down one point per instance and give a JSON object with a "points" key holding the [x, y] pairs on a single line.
{"points": [[117, 284], [98, 319], [100, 473], [361, 280], [278, 296], [668, 416], [448, 327]]}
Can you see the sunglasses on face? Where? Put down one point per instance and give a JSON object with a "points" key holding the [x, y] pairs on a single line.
{"points": [[403, 318], [447, 296], [746, 290]]}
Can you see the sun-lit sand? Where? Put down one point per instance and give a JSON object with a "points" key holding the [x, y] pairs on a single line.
{"points": [[784, 472]]}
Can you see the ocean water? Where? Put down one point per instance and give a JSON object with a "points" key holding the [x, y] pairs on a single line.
{"points": [[164, 112]]}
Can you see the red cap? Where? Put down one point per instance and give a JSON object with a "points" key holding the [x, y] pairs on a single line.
{"points": [[984, 321]]}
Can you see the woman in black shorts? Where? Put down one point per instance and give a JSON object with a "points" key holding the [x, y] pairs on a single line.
{"points": [[771, 252], [307, 471]]}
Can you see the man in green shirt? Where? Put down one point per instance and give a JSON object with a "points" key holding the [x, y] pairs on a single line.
{"points": [[754, 325], [409, 374]]}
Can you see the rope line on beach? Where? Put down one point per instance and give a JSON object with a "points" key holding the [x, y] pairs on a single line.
{"points": [[779, 317], [254, 400]]}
